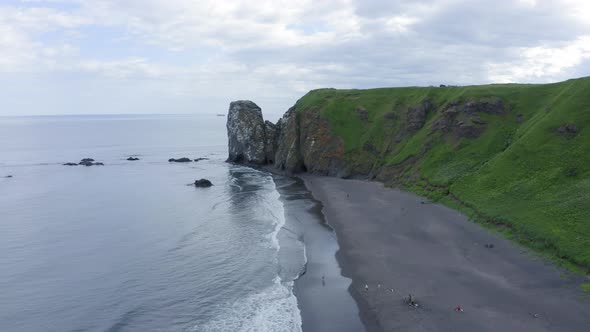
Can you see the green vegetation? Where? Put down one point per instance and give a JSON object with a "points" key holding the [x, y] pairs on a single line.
{"points": [[586, 288], [521, 172]]}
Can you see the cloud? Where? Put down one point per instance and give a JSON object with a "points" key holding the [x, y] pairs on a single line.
{"points": [[276, 50], [542, 63]]}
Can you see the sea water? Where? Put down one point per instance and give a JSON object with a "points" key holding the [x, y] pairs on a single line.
{"points": [[131, 246]]}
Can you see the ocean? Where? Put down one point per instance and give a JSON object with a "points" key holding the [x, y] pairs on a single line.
{"points": [[131, 246]]}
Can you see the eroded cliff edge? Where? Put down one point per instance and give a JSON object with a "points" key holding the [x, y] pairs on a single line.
{"points": [[509, 155]]}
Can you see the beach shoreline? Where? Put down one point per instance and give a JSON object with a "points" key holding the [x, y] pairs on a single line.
{"points": [[398, 243], [322, 292]]}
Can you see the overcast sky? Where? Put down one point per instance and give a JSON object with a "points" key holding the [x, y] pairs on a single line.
{"points": [[181, 56]]}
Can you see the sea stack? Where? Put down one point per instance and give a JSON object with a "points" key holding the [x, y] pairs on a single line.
{"points": [[246, 133]]}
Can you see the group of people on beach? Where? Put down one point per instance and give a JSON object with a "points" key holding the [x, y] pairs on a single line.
{"points": [[410, 299]]}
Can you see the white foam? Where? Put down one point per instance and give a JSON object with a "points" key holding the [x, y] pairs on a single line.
{"points": [[277, 210], [272, 310]]}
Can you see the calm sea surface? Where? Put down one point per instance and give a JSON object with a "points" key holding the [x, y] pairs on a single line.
{"points": [[129, 246]]}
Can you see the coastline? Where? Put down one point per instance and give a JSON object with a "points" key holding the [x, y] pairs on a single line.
{"points": [[322, 292], [397, 243]]}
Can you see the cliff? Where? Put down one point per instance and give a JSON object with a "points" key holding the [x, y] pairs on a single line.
{"points": [[511, 155]]}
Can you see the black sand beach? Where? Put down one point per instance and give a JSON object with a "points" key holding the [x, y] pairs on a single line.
{"points": [[406, 245], [322, 292]]}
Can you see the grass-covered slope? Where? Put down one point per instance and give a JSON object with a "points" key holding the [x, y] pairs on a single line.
{"points": [[522, 163]]}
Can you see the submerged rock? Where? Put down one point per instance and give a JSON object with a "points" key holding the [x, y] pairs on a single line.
{"points": [[180, 160], [85, 162], [203, 183], [199, 159], [8, 176], [245, 133], [132, 158], [89, 163]]}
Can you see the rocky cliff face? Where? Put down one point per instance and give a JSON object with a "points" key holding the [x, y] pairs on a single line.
{"points": [[303, 141], [246, 133], [294, 144]]}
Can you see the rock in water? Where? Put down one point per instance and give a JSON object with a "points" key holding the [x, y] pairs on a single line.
{"points": [[180, 160], [203, 183], [70, 164], [245, 133], [88, 163], [85, 160], [132, 158]]}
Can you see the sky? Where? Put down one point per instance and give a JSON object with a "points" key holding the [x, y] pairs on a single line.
{"points": [[181, 56]]}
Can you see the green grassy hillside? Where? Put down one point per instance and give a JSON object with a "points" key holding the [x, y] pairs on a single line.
{"points": [[525, 168]]}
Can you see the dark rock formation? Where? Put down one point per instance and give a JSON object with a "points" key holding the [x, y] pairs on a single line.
{"points": [[321, 150], [199, 159], [203, 183], [132, 158], [180, 160], [568, 130], [90, 163], [288, 153], [271, 135], [460, 119], [362, 113], [85, 162], [245, 132], [295, 144], [416, 116], [8, 176]]}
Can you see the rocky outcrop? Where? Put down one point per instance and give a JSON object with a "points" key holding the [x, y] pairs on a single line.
{"points": [[271, 135], [294, 144], [460, 119], [90, 163], [288, 154], [132, 159], [246, 133], [180, 160], [85, 162], [322, 151], [203, 183], [568, 130], [416, 116]]}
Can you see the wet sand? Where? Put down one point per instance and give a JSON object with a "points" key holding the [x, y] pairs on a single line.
{"points": [[405, 244], [325, 303]]}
